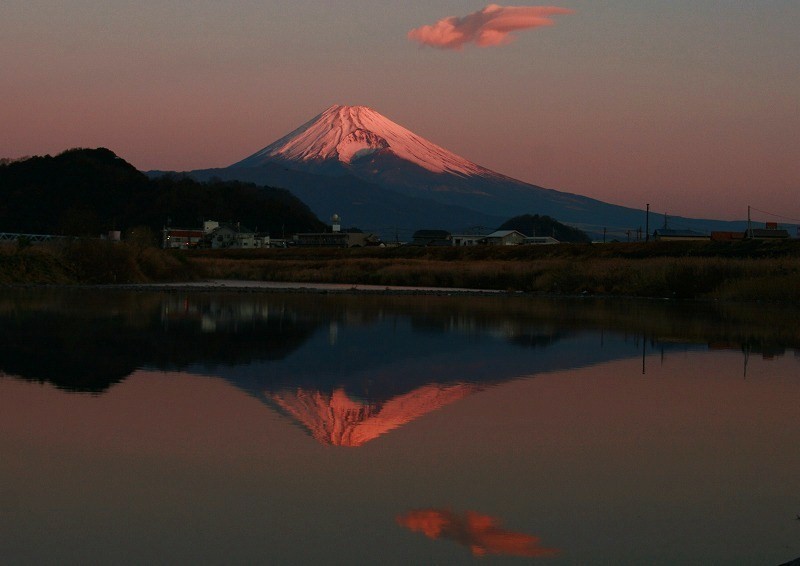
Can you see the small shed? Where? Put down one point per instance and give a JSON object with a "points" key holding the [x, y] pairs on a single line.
{"points": [[181, 238], [771, 234], [669, 235], [505, 238], [726, 236]]}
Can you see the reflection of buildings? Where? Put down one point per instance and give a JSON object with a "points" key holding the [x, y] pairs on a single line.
{"points": [[480, 533], [190, 307], [218, 315], [339, 420]]}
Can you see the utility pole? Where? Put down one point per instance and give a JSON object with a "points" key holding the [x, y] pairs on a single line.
{"points": [[749, 225], [604, 235], [647, 225]]}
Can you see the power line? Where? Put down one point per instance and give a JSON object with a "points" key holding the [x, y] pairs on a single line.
{"points": [[775, 215]]}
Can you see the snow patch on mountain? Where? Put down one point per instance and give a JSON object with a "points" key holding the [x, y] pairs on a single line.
{"points": [[359, 143], [348, 133]]}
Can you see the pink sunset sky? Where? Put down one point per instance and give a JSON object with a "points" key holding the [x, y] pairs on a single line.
{"points": [[691, 106]]}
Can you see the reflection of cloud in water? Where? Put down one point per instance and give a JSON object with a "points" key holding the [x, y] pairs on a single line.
{"points": [[480, 533], [339, 420]]}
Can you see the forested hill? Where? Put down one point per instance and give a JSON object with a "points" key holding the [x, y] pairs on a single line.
{"points": [[91, 191], [535, 225]]}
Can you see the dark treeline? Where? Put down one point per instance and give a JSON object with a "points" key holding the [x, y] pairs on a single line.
{"points": [[535, 225], [90, 191], [94, 342]]}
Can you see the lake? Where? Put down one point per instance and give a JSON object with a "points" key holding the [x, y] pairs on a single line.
{"points": [[315, 428]]}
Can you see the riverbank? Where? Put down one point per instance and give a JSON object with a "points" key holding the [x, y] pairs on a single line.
{"points": [[91, 261], [732, 271], [744, 271], [217, 285]]}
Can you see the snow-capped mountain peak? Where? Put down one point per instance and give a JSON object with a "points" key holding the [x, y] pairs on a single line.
{"points": [[349, 133]]}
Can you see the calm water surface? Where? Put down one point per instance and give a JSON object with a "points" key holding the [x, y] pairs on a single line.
{"points": [[214, 428]]}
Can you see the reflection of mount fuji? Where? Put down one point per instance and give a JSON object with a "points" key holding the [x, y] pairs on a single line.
{"points": [[337, 419], [349, 384], [350, 368]]}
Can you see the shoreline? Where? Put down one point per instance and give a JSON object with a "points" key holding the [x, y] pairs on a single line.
{"points": [[244, 286]]}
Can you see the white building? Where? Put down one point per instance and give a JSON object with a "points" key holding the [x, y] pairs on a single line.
{"points": [[218, 236], [504, 238]]}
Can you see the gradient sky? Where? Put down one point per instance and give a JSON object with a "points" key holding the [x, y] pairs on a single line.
{"points": [[692, 106]]}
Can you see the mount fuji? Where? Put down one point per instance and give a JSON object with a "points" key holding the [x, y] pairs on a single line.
{"points": [[352, 138], [381, 177]]}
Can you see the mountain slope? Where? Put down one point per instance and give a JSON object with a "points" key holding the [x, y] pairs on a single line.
{"points": [[346, 144], [361, 204]]}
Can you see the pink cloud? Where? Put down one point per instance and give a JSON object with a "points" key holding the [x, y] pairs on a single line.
{"points": [[490, 26], [480, 533]]}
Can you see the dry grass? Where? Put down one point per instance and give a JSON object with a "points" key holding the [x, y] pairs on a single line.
{"points": [[692, 277], [753, 271], [91, 261], [35, 264]]}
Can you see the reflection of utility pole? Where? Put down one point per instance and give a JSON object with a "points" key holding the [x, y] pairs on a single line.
{"points": [[644, 345], [604, 235], [746, 350], [333, 332]]}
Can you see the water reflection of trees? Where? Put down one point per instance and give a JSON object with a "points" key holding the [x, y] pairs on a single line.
{"points": [[83, 343], [88, 340]]}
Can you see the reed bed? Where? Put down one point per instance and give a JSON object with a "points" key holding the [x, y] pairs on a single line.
{"points": [[684, 277], [749, 271], [93, 262]]}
